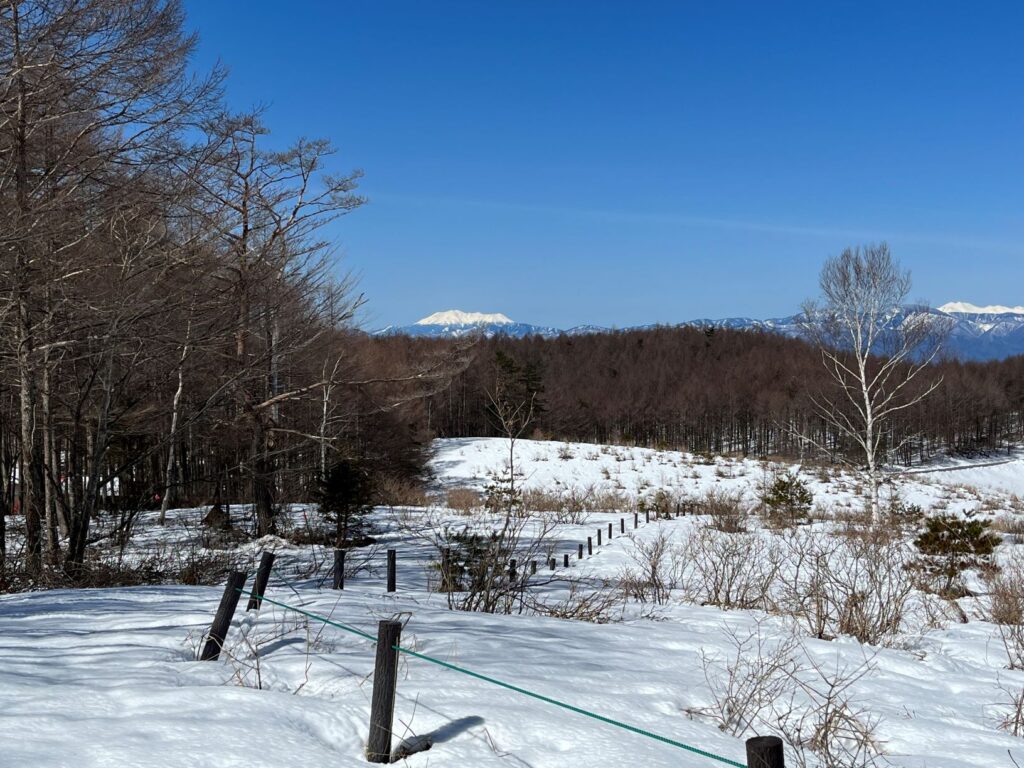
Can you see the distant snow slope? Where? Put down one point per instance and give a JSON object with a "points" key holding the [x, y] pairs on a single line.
{"points": [[554, 465]]}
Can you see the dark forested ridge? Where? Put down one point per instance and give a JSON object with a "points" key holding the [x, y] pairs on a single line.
{"points": [[710, 390]]}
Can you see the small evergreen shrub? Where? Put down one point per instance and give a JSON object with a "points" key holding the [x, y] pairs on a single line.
{"points": [[952, 544], [787, 500], [345, 498]]}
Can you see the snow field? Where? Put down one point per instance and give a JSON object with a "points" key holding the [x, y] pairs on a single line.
{"points": [[107, 677]]}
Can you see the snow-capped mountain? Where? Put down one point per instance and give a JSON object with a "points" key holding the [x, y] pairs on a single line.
{"points": [[454, 324], [458, 317], [965, 308], [978, 332]]}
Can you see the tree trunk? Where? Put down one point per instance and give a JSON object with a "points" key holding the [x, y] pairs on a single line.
{"points": [[263, 482], [172, 442]]}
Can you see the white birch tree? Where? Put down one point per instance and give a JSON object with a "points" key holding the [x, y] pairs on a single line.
{"points": [[876, 349]]}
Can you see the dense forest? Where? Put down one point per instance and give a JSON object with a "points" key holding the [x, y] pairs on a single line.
{"points": [[174, 323], [710, 390]]}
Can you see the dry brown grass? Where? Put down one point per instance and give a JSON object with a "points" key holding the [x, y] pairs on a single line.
{"points": [[463, 500], [402, 493]]}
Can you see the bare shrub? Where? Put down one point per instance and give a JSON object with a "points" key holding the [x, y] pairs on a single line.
{"points": [[662, 503], [246, 654], [730, 570], [1011, 707], [475, 561], [568, 506], [1011, 526], [725, 509], [748, 680], [463, 500], [773, 685], [596, 605], [859, 586], [200, 566], [656, 571], [609, 501], [823, 723], [542, 500], [1006, 610]]}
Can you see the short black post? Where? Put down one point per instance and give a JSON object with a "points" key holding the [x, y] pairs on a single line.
{"points": [[765, 752], [533, 567], [552, 563], [339, 569], [262, 577], [512, 569], [392, 581], [636, 520], [599, 537], [446, 570], [222, 620], [590, 546], [609, 531], [565, 560], [622, 525], [382, 702], [647, 516], [579, 552]]}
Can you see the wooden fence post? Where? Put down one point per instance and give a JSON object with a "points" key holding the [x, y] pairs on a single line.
{"points": [[599, 537], [446, 570], [339, 569], [565, 560], [622, 525], [647, 516], [552, 563], [382, 702], [590, 546], [533, 567], [262, 577], [392, 581], [512, 569], [222, 620], [609, 531], [579, 552], [636, 520], [765, 752]]}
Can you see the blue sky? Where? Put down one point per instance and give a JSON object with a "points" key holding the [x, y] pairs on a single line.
{"points": [[619, 163]]}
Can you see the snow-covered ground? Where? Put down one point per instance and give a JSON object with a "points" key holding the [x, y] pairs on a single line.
{"points": [[108, 677], [955, 486]]}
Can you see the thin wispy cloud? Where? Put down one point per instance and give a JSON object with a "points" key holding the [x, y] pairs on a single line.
{"points": [[736, 224]]}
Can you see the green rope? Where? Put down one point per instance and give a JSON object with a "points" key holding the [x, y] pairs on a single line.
{"points": [[571, 708], [324, 619], [517, 689]]}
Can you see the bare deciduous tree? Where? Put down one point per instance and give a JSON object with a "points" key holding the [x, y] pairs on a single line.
{"points": [[876, 350]]}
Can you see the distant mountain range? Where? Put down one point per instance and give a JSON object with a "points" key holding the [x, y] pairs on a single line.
{"points": [[978, 333]]}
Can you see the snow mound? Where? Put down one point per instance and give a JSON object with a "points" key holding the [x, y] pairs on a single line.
{"points": [[458, 317]]}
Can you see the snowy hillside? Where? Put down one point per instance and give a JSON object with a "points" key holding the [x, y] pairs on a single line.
{"points": [[107, 676]]}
